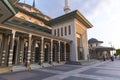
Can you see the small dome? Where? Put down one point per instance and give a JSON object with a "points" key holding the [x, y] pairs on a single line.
{"points": [[92, 40]]}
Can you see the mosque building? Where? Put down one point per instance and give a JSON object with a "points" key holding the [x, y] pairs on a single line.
{"points": [[27, 36]]}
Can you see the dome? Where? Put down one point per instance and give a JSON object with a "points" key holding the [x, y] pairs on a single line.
{"points": [[92, 40], [30, 7]]}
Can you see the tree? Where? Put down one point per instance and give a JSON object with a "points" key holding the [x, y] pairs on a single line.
{"points": [[118, 52]]}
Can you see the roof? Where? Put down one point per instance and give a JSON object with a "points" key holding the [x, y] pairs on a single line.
{"points": [[6, 10], [94, 40], [103, 48], [13, 1], [27, 24], [75, 14], [35, 31], [38, 13]]}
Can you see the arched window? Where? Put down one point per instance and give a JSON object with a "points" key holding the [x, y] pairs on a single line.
{"points": [[55, 32], [58, 32], [36, 22], [22, 17], [65, 30], [69, 29], [61, 31], [0, 43]]}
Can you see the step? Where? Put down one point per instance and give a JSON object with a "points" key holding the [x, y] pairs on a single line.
{"points": [[19, 68]]}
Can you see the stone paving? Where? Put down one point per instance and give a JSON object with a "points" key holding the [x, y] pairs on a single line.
{"points": [[100, 71]]}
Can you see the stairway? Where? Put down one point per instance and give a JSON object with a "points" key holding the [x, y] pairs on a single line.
{"points": [[19, 68], [35, 66]]}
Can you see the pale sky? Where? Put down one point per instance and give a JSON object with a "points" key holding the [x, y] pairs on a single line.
{"points": [[103, 14]]}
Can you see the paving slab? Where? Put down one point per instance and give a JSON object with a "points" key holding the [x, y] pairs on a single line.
{"points": [[105, 70]]}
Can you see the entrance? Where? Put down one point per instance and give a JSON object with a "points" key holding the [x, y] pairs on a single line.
{"points": [[54, 53], [15, 53], [46, 54], [37, 52], [25, 51]]}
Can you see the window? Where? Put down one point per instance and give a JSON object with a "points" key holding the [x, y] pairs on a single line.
{"points": [[61, 31], [22, 17], [55, 32], [69, 29], [58, 32], [65, 30]]}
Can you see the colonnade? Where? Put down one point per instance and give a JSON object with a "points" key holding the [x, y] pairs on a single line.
{"points": [[21, 48]]}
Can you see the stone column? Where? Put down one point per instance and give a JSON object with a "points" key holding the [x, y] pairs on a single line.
{"points": [[4, 50], [11, 48], [65, 51], [21, 52], [59, 52], [29, 53], [42, 52], [51, 53], [17, 51]]}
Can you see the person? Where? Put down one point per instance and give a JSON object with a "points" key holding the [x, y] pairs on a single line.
{"points": [[104, 58], [112, 58]]}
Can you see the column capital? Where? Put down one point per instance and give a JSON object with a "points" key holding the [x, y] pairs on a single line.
{"points": [[30, 35], [65, 42], [13, 31], [59, 42], [42, 38]]}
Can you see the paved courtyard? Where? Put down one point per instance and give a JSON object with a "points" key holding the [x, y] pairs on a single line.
{"points": [[103, 70]]}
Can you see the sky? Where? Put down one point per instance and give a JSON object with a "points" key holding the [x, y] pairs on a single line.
{"points": [[103, 14]]}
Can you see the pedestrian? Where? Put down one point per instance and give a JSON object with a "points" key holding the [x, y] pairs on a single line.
{"points": [[104, 58], [112, 58]]}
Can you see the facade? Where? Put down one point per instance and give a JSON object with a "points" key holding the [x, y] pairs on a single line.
{"points": [[97, 51], [29, 37]]}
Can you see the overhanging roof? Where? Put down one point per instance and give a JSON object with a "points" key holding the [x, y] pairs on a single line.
{"points": [[35, 31], [75, 14], [103, 48], [6, 10], [13, 1]]}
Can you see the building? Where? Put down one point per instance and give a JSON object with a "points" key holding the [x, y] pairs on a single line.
{"points": [[27, 36], [97, 51]]}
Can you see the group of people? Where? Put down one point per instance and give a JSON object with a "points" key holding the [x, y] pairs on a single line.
{"points": [[112, 58]]}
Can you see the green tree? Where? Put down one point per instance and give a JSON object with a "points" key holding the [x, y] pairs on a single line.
{"points": [[118, 51]]}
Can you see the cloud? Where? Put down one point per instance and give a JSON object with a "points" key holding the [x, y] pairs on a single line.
{"points": [[105, 19]]}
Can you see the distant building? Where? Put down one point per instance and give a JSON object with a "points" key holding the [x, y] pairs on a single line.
{"points": [[97, 51], [27, 36]]}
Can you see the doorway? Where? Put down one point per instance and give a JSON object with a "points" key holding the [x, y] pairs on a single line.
{"points": [[46, 54], [37, 52], [15, 53]]}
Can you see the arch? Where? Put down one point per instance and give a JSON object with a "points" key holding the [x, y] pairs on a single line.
{"points": [[54, 52], [37, 52], [61, 51], [15, 52], [25, 51], [22, 17], [46, 51]]}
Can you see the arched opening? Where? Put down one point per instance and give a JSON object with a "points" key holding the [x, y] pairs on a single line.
{"points": [[62, 52], [54, 53], [15, 52], [68, 52], [25, 51], [37, 52], [0, 47], [46, 52]]}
